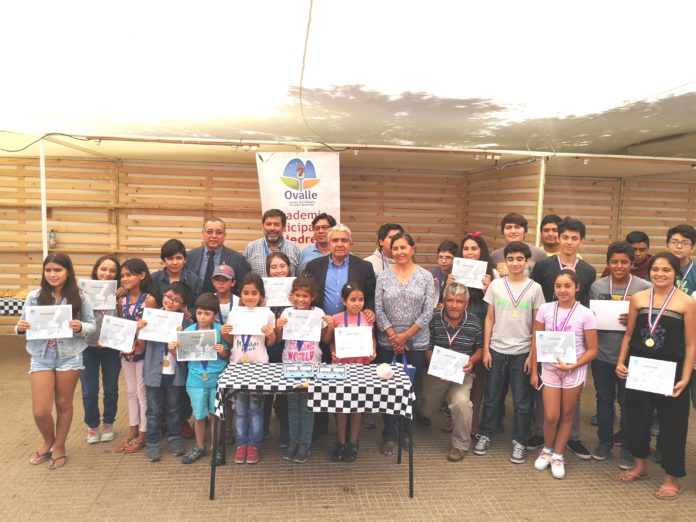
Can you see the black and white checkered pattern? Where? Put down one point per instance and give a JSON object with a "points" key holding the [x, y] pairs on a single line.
{"points": [[362, 391], [11, 306]]}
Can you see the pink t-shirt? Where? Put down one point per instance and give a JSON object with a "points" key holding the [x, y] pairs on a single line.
{"points": [[302, 351], [582, 319], [253, 346], [339, 321]]}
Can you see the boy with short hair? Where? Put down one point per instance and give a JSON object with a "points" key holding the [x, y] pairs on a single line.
{"points": [[680, 242], [446, 252], [381, 258], [640, 242], [514, 226], [201, 383], [619, 285], [165, 379], [548, 229], [512, 305], [173, 255], [223, 282]]}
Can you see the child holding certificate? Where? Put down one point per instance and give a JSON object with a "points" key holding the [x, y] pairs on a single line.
{"points": [[353, 299], [56, 363], [248, 420], [301, 420], [106, 268], [662, 328], [563, 381]]}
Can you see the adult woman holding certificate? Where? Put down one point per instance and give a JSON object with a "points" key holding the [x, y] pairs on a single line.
{"points": [[404, 301], [56, 354], [662, 331]]}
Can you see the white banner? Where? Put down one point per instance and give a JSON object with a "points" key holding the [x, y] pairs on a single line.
{"points": [[302, 185]]}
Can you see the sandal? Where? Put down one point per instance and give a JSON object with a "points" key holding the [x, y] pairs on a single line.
{"points": [[627, 476], [134, 446], [668, 492], [387, 448], [39, 458], [58, 462], [124, 444]]}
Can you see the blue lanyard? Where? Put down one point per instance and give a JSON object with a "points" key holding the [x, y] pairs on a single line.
{"points": [[246, 341], [345, 318], [126, 306]]}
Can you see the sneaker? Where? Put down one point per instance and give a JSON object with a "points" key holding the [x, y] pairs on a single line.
{"points": [[107, 432], [186, 430], [577, 447], [593, 421], [93, 435], [444, 409], [153, 454], [544, 459], [218, 458], [337, 453], [290, 453], [456, 455], [252, 455], [519, 453], [602, 451], [240, 456], [193, 455], [482, 445], [302, 454], [557, 466], [535, 442], [626, 461], [351, 452], [176, 447]]}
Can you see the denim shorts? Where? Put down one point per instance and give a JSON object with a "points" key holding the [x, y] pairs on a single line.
{"points": [[202, 401], [51, 361]]}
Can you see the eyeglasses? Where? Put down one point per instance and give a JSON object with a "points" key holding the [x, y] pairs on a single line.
{"points": [[680, 244], [322, 227], [174, 300], [445, 258], [212, 232]]}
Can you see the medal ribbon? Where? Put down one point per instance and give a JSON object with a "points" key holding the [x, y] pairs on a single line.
{"points": [[345, 319], [628, 286], [127, 306], [516, 301], [452, 338], [565, 322], [691, 265], [246, 341], [653, 326], [569, 267]]}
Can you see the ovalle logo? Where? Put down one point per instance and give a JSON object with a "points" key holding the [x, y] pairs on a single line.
{"points": [[301, 177]]}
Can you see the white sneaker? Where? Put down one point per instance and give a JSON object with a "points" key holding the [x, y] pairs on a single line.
{"points": [[557, 466], [543, 460], [93, 435], [107, 432]]}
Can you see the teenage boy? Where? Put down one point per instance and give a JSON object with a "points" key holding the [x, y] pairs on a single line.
{"points": [[680, 242], [514, 226], [446, 252], [549, 234], [512, 305], [173, 255], [201, 383], [640, 242], [571, 232], [224, 282], [452, 327], [619, 285], [382, 256], [321, 225], [164, 379], [273, 222]]}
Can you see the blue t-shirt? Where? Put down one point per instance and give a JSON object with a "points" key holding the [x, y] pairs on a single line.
{"points": [[213, 369]]}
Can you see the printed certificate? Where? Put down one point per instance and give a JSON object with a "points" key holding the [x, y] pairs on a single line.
{"points": [[102, 294], [248, 321], [49, 322], [278, 290], [448, 364], [552, 346], [161, 325], [651, 375], [303, 325], [196, 345], [469, 272], [353, 341], [608, 312], [118, 333]]}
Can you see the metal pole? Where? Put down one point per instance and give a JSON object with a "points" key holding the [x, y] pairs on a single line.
{"points": [[42, 177], [540, 198]]}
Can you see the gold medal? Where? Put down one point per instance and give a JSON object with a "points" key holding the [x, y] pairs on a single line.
{"points": [[650, 342], [165, 363], [245, 358], [205, 376]]}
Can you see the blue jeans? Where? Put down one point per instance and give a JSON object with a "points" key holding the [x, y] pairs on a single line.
{"points": [[110, 363], [300, 419], [609, 388], [415, 359], [248, 419], [510, 367], [163, 404]]}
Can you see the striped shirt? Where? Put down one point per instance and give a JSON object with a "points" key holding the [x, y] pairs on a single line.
{"points": [[467, 341]]}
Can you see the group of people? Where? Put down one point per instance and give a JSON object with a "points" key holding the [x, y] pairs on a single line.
{"points": [[525, 290]]}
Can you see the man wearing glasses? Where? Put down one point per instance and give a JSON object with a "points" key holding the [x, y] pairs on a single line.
{"points": [[680, 242], [320, 247], [213, 253]]}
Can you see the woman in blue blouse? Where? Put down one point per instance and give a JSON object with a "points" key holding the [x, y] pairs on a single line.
{"points": [[404, 302]]}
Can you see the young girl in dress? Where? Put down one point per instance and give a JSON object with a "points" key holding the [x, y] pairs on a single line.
{"points": [[106, 268], [354, 300], [563, 382], [301, 420], [135, 280], [56, 363], [248, 407]]}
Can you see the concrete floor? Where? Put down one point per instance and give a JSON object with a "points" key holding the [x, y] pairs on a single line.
{"points": [[99, 484]]}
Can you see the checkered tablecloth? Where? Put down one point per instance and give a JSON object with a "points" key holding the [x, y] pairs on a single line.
{"points": [[361, 391], [11, 306]]}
